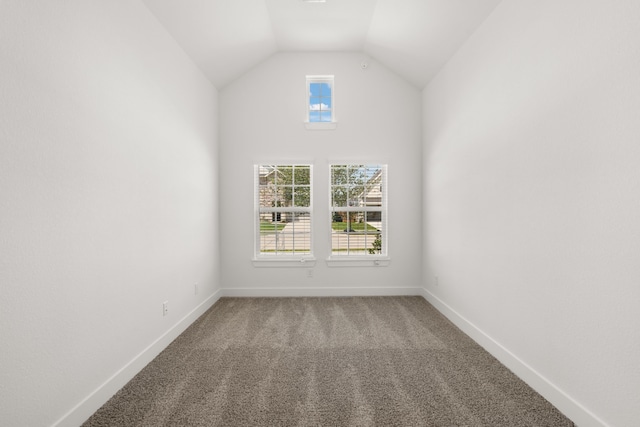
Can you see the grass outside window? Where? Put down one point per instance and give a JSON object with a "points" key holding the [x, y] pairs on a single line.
{"points": [[355, 226], [270, 227]]}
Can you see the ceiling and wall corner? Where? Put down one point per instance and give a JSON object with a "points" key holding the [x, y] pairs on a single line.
{"points": [[414, 38]]}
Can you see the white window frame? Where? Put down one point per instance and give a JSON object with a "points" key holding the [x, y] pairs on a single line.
{"points": [[282, 259], [320, 125], [360, 260]]}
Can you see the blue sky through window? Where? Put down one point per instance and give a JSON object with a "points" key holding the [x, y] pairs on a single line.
{"points": [[320, 102]]}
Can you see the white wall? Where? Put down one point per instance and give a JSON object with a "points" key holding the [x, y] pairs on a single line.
{"points": [[261, 120], [532, 197], [108, 207]]}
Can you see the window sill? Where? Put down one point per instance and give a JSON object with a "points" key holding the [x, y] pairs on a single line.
{"points": [[320, 125], [307, 262], [347, 261]]}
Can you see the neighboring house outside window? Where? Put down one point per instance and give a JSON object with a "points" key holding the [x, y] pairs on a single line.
{"points": [[283, 214], [358, 210]]}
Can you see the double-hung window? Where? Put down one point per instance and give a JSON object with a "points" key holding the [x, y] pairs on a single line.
{"points": [[283, 200], [358, 211]]}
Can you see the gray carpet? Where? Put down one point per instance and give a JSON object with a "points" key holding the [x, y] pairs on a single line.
{"points": [[364, 361]]}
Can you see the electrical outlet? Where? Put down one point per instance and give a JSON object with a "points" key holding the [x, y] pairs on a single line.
{"points": [[165, 308], [195, 289], [309, 273]]}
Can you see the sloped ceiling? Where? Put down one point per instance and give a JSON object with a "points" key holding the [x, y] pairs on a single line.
{"points": [[415, 38]]}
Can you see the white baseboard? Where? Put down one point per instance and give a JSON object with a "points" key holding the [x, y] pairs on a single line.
{"points": [[580, 415], [320, 292], [81, 412]]}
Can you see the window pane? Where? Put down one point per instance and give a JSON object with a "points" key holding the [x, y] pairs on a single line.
{"points": [[314, 89], [314, 104], [291, 236], [300, 236], [339, 241], [373, 188], [314, 116], [270, 233], [266, 174], [325, 116], [374, 221], [373, 170], [339, 196], [374, 182], [373, 199], [356, 233], [338, 174], [284, 175], [357, 175], [325, 104], [302, 196], [267, 196], [285, 193], [302, 175], [325, 89]]}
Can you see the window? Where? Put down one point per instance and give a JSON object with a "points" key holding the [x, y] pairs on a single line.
{"points": [[320, 101], [358, 210], [283, 214]]}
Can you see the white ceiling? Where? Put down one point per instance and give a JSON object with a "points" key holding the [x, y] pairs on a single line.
{"points": [[415, 38]]}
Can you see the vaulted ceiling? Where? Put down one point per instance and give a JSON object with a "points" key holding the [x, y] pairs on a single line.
{"points": [[415, 38]]}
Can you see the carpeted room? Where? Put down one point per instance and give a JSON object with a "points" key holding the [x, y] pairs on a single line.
{"points": [[127, 158], [352, 361]]}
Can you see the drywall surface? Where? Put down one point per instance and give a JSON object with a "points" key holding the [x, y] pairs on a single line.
{"points": [[108, 207], [532, 194], [262, 121]]}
